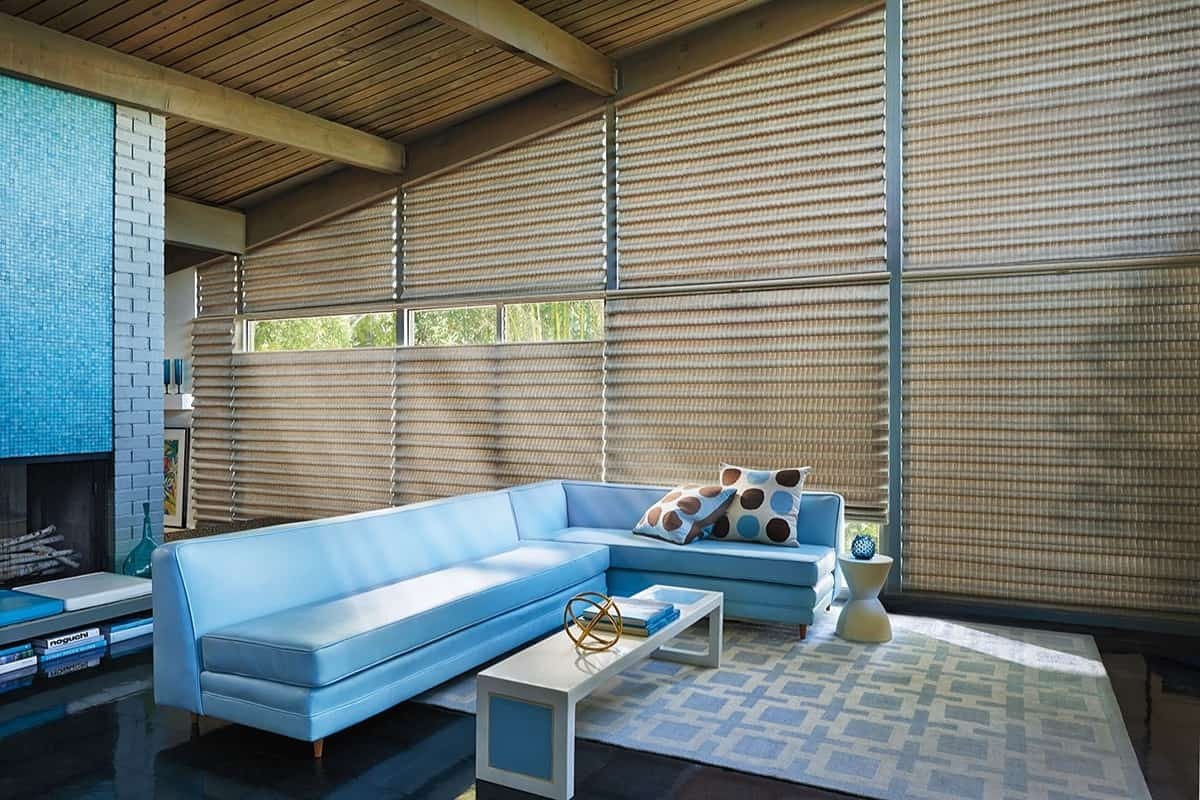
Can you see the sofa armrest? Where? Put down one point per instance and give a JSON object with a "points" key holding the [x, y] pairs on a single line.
{"points": [[177, 661], [822, 519]]}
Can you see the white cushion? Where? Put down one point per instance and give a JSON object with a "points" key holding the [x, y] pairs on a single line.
{"points": [[92, 589]]}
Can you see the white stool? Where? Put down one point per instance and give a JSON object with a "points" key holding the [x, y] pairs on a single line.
{"points": [[864, 619]]}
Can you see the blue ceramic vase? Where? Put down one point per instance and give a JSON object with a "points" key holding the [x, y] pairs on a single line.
{"points": [[137, 563], [862, 547]]}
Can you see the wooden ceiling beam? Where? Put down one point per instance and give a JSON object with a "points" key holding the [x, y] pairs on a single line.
{"points": [[46, 56], [701, 50], [514, 28], [204, 227]]}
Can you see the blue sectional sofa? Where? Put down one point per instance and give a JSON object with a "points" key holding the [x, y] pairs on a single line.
{"points": [[307, 628]]}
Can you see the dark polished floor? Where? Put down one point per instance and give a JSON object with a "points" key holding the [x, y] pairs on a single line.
{"points": [[98, 734]]}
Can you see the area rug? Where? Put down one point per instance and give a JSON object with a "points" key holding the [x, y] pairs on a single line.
{"points": [[945, 709]]}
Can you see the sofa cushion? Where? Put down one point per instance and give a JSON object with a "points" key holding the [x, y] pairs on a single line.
{"points": [[681, 514], [766, 507], [803, 565], [320, 643]]}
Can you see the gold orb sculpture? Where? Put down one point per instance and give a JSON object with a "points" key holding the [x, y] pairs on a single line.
{"points": [[584, 632]]}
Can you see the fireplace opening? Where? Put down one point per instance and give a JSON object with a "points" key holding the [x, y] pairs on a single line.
{"points": [[55, 518]]}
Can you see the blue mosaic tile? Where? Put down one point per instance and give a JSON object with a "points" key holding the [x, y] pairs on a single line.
{"points": [[56, 281]]}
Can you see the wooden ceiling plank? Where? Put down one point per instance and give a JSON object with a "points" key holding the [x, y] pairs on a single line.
{"points": [[278, 29], [325, 43], [510, 26], [159, 21], [90, 27], [35, 52], [214, 29], [320, 67]]}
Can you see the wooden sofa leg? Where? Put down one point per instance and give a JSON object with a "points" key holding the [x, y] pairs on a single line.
{"points": [[318, 748], [803, 632]]}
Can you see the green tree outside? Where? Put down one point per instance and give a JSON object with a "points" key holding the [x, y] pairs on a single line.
{"points": [[325, 333]]}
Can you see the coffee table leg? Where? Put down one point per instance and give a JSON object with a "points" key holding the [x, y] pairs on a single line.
{"points": [[525, 739], [716, 640]]}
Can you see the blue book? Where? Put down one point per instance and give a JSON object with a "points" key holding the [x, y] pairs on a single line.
{"points": [[123, 624], [11, 654], [86, 647]]}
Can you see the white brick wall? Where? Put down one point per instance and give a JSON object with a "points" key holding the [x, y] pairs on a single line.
{"points": [[139, 194]]}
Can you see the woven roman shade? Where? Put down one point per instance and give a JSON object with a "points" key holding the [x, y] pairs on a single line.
{"points": [[1052, 438], [347, 260], [526, 221], [212, 487], [771, 168], [1050, 131], [314, 432], [765, 379], [474, 418], [212, 417], [217, 288]]}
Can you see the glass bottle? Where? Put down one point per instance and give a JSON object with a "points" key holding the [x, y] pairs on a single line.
{"points": [[137, 563]]}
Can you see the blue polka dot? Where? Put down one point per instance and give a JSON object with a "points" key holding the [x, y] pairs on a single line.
{"points": [[758, 477], [781, 502], [747, 527]]}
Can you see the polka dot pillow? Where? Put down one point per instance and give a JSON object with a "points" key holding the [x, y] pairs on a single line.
{"points": [[682, 513], [766, 506]]}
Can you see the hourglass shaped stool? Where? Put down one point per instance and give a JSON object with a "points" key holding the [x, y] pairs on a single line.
{"points": [[864, 619]]}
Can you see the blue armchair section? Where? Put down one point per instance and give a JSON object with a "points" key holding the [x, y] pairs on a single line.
{"points": [[307, 628]]}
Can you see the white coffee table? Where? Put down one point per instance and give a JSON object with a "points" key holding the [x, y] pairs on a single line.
{"points": [[525, 705], [863, 618]]}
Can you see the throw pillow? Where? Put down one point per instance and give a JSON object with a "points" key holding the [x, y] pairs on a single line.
{"points": [[682, 513], [766, 507]]}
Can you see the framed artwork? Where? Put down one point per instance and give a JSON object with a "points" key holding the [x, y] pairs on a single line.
{"points": [[175, 472]]}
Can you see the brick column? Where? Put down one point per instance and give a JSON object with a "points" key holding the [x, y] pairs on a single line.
{"points": [[139, 195]]}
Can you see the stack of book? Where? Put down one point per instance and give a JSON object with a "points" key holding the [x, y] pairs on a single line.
{"points": [[17, 662], [84, 642], [129, 628], [639, 617]]}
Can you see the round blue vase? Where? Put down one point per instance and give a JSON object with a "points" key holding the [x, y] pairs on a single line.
{"points": [[862, 547]]}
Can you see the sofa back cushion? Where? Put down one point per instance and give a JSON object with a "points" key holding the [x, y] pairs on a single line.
{"points": [[241, 576], [617, 505], [608, 505]]}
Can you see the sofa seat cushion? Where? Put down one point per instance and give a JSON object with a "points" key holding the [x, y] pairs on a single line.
{"points": [[804, 565], [321, 643]]}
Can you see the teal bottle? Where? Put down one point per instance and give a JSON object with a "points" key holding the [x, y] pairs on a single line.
{"points": [[137, 563]]}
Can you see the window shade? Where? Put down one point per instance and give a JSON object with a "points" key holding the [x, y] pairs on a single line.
{"points": [[217, 288], [771, 168], [475, 418], [350, 259], [1051, 438], [314, 432], [763, 379], [529, 220], [212, 416], [1049, 132]]}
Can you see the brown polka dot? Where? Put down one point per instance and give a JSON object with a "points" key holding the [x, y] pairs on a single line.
{"points": [[653, 514], [670, 498], [710, 491], [730, 475], [689, 505], [787, 477], [778, 530], [751, 499], [671, 521], [721, 528]]}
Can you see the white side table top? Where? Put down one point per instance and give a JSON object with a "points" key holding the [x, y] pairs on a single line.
{"points": [[556, 665], [875, 559]]}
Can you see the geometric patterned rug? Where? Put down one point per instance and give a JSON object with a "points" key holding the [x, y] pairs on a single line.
{"points": [[944, 710]]}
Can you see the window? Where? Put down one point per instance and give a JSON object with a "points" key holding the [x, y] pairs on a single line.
{"points": [[442, 326], [322, 333], [558, 321]]}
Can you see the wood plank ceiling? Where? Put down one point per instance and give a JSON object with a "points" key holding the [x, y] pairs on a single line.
{"points": [[376, 65]]}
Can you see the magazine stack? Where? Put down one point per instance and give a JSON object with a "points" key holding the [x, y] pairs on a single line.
{"points": [[639, 617]]}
